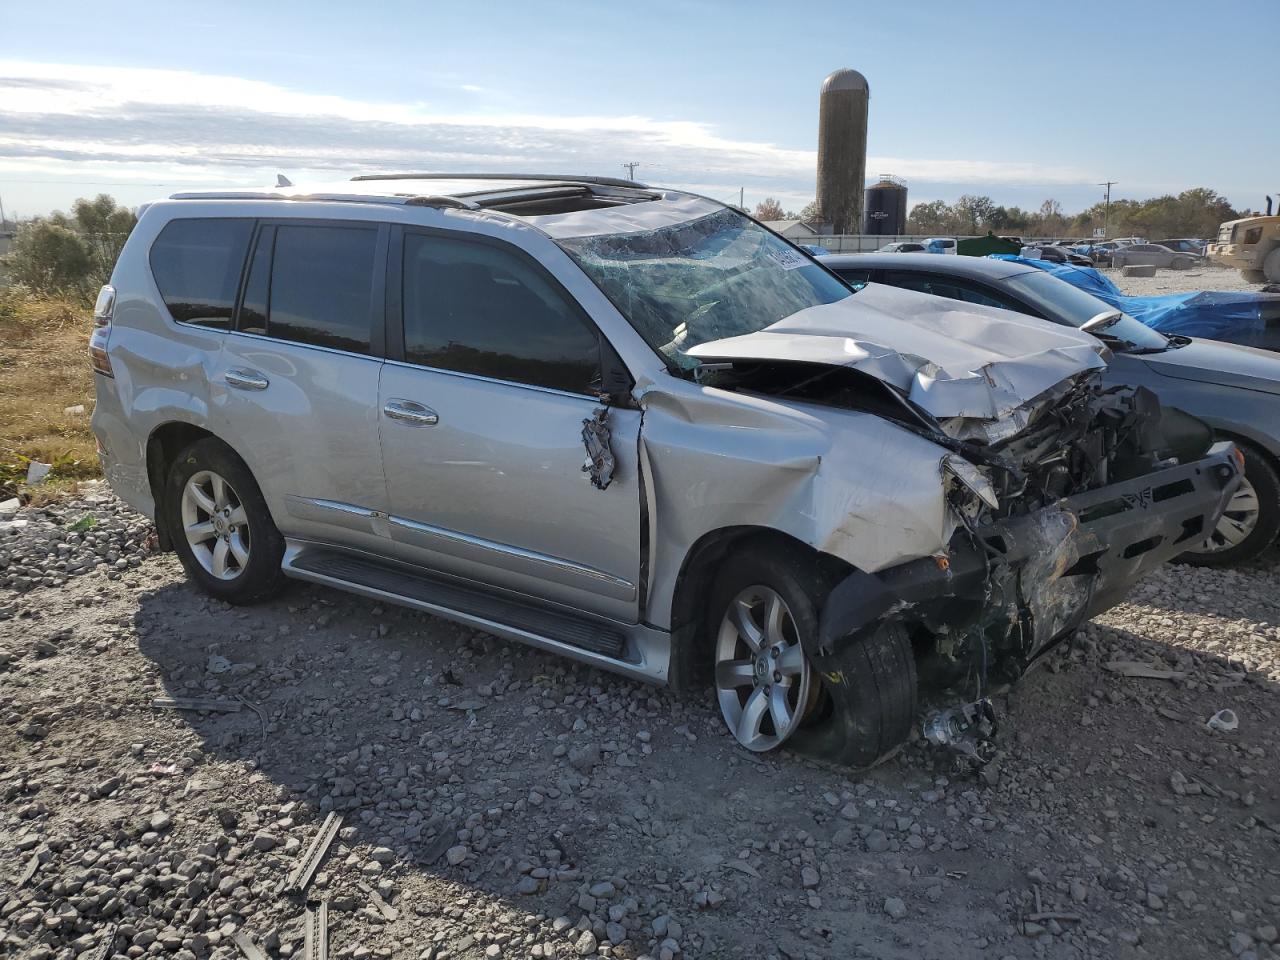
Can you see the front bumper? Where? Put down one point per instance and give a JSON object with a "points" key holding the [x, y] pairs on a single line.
{"points": [[1034, 578]]}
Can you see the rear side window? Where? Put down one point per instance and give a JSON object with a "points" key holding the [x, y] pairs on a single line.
{"points": [[476, 308], [196, 264], [312, 284]]}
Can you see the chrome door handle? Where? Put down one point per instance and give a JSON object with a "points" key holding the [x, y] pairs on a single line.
{"points": [[246, 380], [411, 413]]}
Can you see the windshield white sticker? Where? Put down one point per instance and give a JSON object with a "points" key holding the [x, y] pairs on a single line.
{"points": [[788, 259]]}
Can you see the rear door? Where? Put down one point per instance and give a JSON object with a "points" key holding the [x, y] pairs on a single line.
{"points": [[296, 393], [493, 369]]}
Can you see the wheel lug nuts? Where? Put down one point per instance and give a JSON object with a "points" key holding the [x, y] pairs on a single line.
{"points": [[777, 677]]}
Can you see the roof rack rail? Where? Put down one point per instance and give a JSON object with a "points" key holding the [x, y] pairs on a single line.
{"points": [[559, 178], [435, 201]]}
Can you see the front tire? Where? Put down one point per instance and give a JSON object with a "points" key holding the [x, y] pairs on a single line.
{"points": [[220, 526], [854, 708], [1251, 521]]}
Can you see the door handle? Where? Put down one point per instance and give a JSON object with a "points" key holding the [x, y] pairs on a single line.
{"points": [[246, 380], [414, 414]]}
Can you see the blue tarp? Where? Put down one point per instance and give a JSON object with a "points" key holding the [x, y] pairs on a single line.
{"points": [[1234, 317]]}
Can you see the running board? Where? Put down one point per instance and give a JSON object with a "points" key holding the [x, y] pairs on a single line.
{"points": [[599, 642]]}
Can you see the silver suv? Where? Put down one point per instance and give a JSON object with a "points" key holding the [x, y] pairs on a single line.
{"points": [[635, 427]]}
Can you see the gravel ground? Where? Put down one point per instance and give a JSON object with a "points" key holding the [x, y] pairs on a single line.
{"points": [[1208, 277], [499, 802]]}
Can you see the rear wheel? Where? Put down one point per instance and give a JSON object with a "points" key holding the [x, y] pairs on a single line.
{"points": [[1250, 522], [1271, 266], [220, 526], [1253, 276], [763, 614]]}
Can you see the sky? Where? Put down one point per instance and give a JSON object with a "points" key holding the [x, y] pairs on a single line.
{"points": [[1019, 102]]}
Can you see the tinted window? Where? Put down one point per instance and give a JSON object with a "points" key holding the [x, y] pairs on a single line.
{"points": [[197, 265], [476, 308], [951, 288], [321, 286]]}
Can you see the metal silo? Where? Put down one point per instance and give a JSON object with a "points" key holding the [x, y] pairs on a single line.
{"points": [[842, 149], [886, 206]]}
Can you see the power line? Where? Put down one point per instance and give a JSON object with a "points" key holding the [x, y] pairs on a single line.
{"points": [[631, 169]]}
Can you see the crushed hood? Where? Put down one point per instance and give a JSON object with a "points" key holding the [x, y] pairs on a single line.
{"points": [[952, 359]]}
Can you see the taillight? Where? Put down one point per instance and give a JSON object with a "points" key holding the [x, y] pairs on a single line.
{"points": [[103, 310]]}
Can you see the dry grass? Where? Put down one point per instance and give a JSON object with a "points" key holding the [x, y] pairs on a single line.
{"points": [[43, 370]]}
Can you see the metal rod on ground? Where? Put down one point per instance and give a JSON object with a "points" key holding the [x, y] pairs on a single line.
{"points": [[316, 931], [306, 866]]}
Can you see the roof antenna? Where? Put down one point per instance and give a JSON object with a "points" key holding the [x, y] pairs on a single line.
{"points": [[283, 181]]}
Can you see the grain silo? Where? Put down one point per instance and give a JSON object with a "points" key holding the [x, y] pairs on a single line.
{"points": [[842, 150], [886, 207]]}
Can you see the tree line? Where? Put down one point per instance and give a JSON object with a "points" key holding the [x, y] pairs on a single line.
{"points": [[1192, 213], [70, 254]]}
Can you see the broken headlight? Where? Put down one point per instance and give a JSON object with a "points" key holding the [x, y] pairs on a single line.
{"points": [[971, 478]]}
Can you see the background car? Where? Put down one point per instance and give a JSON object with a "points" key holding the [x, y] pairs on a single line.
{"points": [[1059, 254], [940, 245], [902, 246], [1234, 389], [1185, 245], [1155, 255], [1233, 316]]}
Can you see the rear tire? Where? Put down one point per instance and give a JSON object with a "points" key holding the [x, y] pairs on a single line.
{"points": [[1265, 484], [1253, 276], [861, 701], [1271, 266], [220, 526]]}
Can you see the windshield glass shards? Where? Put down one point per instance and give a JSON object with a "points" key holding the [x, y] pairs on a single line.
{"points": [[717, 276]]}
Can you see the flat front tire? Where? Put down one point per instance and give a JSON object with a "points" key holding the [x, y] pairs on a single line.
{"points": [[854, 709], [220, 526]]}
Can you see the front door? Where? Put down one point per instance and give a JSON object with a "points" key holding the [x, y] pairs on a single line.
{"points": [[482, 423]]}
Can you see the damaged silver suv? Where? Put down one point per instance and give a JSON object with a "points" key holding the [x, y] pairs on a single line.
{"points": [[634, 427]]}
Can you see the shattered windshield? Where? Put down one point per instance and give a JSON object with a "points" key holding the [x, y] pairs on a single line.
{"points": [[714, 277]]}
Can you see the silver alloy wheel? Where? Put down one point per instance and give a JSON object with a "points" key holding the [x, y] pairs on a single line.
{"points": [[216, 525], [1237, 522], [762, 675]]}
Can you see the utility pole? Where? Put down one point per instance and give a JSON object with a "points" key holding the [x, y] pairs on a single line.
{"points": [[741, 194], [1106, 217], [631, 169], [2, 219]]}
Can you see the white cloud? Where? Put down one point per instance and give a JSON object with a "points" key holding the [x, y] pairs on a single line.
{"points": [[182, 126]]}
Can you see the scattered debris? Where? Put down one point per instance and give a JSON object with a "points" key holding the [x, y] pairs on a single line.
{"points": [[196, 703], [389, 913], [74, 410], [106, 948], [250, 949], [37, 471], [1130, 668], [9, 507], [216, 664], [1224, 721], [32, 866], [306, 866], [967, 729]]}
